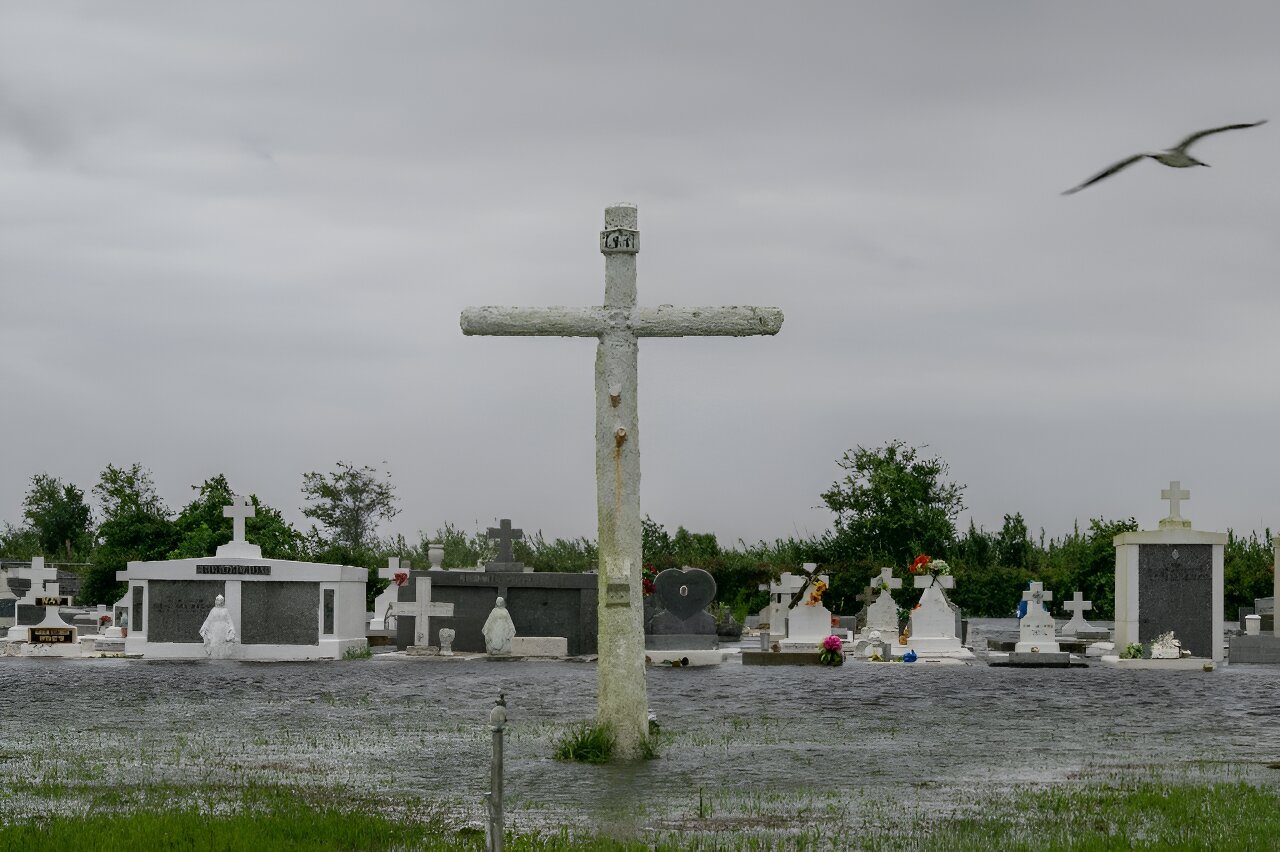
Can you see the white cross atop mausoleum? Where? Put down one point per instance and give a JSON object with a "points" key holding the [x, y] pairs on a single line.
{"points": [[240, 509], [619, 324], [1175, 495]]}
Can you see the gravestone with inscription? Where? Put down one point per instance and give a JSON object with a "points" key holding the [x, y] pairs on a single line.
{"points": [[1264, 647], [1171, 579], [682, 622], [280, 609]]}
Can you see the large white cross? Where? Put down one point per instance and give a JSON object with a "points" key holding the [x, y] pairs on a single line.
{"points": [[1175, 495], [421, 609], [1077, 606], [1036, 593], [886, 580], [619, 324], [239, 509]]}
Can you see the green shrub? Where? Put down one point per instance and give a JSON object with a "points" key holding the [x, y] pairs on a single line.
{"points": [[587, 743]]}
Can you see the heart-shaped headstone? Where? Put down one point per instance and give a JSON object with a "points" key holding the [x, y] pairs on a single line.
{"points": [[685, 592]]}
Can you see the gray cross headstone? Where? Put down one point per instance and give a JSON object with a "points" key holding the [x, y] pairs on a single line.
{"points": [[619, 324], [504, 535], [885, 580], [868, 596], [1036, 594]]}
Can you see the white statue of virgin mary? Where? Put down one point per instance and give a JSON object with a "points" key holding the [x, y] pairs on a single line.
{"points": [[218, 633]]}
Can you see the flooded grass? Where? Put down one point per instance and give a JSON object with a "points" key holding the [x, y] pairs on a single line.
{"points": [[855, 757]]}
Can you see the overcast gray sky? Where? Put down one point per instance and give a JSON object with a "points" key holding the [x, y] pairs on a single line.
{"points": [[236, 238]]}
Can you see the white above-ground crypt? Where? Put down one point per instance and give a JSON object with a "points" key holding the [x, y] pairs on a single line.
{"points": [[280, 609]]}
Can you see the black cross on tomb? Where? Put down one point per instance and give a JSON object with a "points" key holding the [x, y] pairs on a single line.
{"points": [[505, 535]]}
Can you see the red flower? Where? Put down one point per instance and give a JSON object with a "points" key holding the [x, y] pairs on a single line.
{"points": [[402, 578], [921, 563], [649, 587]]}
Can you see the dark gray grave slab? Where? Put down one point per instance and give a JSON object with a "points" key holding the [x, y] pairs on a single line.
{"points": [[1175, 592], [137, 622], [1254, 649], [177, 608], [278, 613], [683, 622], [541, 604]]}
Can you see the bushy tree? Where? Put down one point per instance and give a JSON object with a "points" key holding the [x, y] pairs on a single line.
{"points": [[348, 503], [58, 514], [136, 525], [202, 528], [892, 504]]}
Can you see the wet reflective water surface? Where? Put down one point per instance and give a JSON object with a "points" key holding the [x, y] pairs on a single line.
{"points": [[744, 737]]}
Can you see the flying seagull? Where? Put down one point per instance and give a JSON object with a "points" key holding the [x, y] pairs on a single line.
{"points": [[1177, 156]]}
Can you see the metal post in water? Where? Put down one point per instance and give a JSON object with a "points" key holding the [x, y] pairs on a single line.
{"points": [[495, 828]]}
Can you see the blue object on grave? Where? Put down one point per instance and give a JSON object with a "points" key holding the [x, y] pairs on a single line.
{"points": [[1022, 609], [909, 657]]}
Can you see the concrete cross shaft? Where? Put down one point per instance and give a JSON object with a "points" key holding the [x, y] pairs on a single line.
{"points": [[421, 608], [239, 509], [1077, 605], [1175, 495], [618, 324]]}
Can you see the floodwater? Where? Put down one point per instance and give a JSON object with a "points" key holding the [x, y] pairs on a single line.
{"points": [[747, 738]]}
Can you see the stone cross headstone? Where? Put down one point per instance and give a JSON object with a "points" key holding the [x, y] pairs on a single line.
{"points": [[780, 595], [240, 509], [1036, 628], [1078, 626], [505, 535], [618, 324], [882, 615], [1175, 494], [421, 609], [395, 570]]}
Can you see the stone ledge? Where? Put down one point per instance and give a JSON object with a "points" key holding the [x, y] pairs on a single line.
{"points": [[539, 646]]}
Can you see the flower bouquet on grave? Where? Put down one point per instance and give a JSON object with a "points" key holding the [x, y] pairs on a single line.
{"points": [[647, 576], [815, 596], [927, 565], [830, 653]]}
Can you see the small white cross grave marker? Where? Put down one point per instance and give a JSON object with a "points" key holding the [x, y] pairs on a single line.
{"points": [[1077, 606], [886, 580], [1175, 494], [1037, 594], [421, 609]]}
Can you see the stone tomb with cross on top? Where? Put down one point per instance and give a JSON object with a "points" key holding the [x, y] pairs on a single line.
{"points": [[1171, 579], [421, 609], [618, 325]]}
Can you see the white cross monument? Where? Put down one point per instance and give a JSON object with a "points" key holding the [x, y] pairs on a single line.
{"points": [[1077, 606], [1175, 495], [421, 608], [619, 324], [240, 509], [886, 581]]}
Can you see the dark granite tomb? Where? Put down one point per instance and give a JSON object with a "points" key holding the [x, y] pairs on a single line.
{"points": [[279, 613], [177, 608], [541, 604], [1175, 592]]}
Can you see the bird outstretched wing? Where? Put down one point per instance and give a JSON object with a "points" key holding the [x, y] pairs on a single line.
{"points": [[1106, 173], [1186, 143]]}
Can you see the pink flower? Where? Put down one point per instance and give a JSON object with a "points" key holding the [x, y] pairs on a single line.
{"points": [[831, 643]]}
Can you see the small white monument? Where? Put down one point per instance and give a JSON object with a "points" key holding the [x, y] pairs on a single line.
{"points": [[1037, 629], [780, 595], [498, 629], [397, 571], [808, 619], [933, 621], [218, 632], [1078, 627]]}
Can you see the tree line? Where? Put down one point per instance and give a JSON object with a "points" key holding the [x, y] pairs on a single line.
{"points": [[890, 504]]}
